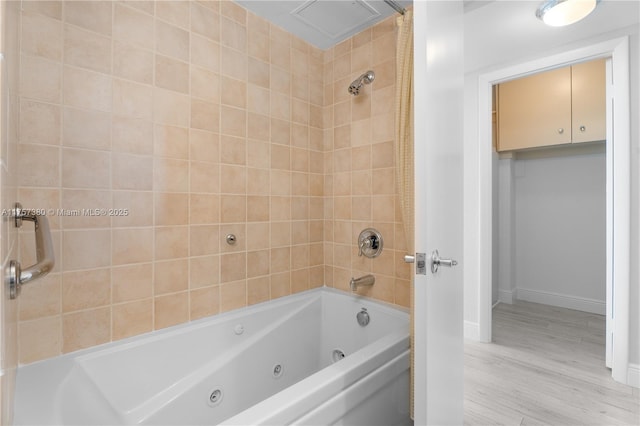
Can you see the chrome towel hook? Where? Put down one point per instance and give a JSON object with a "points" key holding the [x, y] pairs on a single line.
{"points": [[44, 251]]}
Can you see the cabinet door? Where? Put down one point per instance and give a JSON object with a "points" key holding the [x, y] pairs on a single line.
{"points": [[588, 101], [535, 111]]}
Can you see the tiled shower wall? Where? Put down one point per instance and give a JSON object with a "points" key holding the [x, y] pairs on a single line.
{"points": [[185, 122], [359, 165], [9, 70]]}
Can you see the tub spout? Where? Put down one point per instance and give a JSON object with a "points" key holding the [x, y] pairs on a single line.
{"points": [[366, 280]]}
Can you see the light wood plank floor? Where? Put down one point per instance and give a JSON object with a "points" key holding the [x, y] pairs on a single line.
{"points": [[544, 367]]}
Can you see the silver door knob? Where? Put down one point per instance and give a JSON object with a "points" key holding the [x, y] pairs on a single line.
{"points": [[409, 258], [436, 261]]}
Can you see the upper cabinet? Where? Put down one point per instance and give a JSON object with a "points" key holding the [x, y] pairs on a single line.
{"points": [[561, 106], [588, 101]]}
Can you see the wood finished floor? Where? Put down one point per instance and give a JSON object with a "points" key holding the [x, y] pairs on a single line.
{"points": [[544, 367]]}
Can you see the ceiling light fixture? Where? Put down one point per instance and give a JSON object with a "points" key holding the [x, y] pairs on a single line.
{"points": [[558, 13]]}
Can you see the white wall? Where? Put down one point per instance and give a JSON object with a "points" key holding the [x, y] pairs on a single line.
{"points": [[501, 34], [559, 228]]}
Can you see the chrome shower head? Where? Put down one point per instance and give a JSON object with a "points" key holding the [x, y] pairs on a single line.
{"points": [[366, 78]]}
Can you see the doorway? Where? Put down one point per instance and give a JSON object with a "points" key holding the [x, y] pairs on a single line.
{"points": [[618, 184]]}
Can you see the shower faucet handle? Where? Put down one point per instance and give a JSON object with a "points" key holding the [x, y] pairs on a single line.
{"points": [[370, 243]]}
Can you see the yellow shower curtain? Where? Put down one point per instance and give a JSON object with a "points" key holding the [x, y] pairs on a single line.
{"points": [[404, 142]]}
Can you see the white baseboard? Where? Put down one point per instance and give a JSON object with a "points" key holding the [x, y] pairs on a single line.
{"points": [[506, 296], [471, 331], [562, 300], [633, 375]]}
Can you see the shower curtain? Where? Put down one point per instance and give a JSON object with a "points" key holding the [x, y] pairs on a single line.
{"points": [[404, 142]]}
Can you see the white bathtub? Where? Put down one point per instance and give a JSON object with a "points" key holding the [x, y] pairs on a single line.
{"points": [[274, 363]]}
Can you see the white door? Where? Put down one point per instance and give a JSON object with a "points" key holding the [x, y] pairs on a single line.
{"points": [[438, 320]]}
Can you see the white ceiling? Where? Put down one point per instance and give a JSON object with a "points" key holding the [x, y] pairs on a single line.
{"points": [[323, 23], [501, 31]]}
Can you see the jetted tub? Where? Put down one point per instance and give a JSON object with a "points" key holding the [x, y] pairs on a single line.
{"points": [[301, 359]]}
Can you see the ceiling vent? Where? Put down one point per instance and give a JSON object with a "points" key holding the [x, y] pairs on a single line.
{"points": [[336, 18]]}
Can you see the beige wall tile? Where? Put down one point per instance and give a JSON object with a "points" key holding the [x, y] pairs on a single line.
{"points": [[171, 242], [258, 180], [132, 318], [92, 15], [204, 177], [172, 41], [82, 209], [260, 236], [258, 263], [204, 145], [171, 175], [131, 282], [86, 89], [85, 169], [233, 63], [233, 92], [205, 84], [85, 289], [204, 208], [233, 34], [172, 74], [85, 328], [86, 129], [138, 206], [86, 49], [41, 299], [171, 309], [204, 271], [40, 123], [204, 240], [132, 63], [258, 127], [132, 135], [233, 121], [131, 245], [205, 53], [204, 302], [233, 295], [233, 208], [40, 79], [132, 99], [171, 141], [52, 9], [39, 339], [234, 12], [41, 35], [258, 290], [170, 276], [38, 165], [84, 249], [233, 267], [171, 108], [205, 21], [280, 284], [132, 26], [233, 179], [171, 209], [174, 12], [134, 172], [205, 115], [233, 150]]}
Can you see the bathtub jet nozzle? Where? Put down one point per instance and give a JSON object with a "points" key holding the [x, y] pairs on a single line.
{"points": [[364, 281]]}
